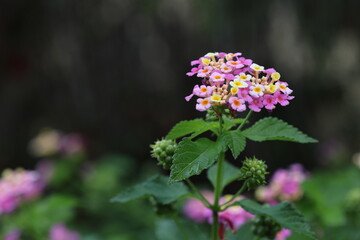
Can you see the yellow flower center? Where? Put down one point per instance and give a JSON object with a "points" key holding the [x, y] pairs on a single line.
{"points": [[205, 61], [257, 89], [272, 88], [237, 103], [216, 98], [234, 90], [276, 76], [205, 102]]}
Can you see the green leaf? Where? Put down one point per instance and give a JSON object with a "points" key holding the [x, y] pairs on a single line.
{"points": [[244, 232], [230, 174], [213, 126], [236, 141], [157, 187], [199, 126], [184, 128], [167, 229], [191, 158], [284, 213], [229, 123], [275, 129]]}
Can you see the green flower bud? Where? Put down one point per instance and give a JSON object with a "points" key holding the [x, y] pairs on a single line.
{"points": [[265, 226], [163, 150], [253, 171]]}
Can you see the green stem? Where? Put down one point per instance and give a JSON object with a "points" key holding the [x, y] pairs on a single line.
{"points": [[245, 120], [243, 187], [180, 227], [216, 206], [218, 189], [198, 193]]}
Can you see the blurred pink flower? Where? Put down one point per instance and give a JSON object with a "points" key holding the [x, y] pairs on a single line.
{"points": [[233, 217], [13, 235], [195, 209], [17, 186], [285, 185], [61, 232], [50, 141], [283, 234]]}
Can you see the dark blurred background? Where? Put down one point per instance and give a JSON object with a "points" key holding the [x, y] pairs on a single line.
{"points": [[114, 70]]}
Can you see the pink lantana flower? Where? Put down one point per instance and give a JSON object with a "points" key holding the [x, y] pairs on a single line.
{"points": [[257, 90], [257, 67], [195, 209], [243, 77], [245, 61], [225, 68], [217, 77], [256, 104], [193, 71], [283, 87], [243, 93], [235, 64], [282, 98], [238, 83], [228, 73], [269, 101], [237, 104], [202, 91], [204, 72], [269, 71], [203, 104]]}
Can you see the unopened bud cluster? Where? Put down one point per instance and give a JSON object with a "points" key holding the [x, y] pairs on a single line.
{"points": [[253, 171], [265, 226], [163, 150]]}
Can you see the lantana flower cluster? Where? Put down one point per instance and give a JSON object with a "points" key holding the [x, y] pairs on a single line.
{"points": [[230, 80], [232, 217], [17, 186], [285, 185]]}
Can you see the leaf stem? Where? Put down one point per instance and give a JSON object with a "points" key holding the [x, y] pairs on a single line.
{"points": [[245, 120], [198, 193], [243, 187]]}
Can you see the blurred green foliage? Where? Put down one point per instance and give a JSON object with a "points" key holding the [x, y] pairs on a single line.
{"points": [[332, 203], [78, 195]]}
